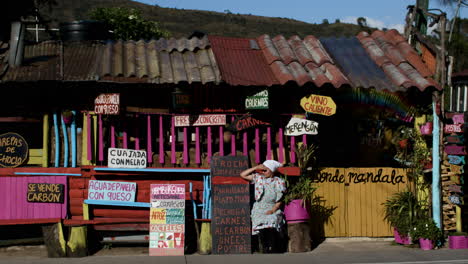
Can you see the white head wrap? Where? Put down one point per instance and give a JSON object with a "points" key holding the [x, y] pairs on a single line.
{"points": [[273, 165]]}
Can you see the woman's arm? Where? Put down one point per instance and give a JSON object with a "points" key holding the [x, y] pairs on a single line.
{"points": [[274, 208], [248, 173]]}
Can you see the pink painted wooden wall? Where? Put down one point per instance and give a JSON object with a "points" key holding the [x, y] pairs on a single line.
{"points": [[14, 205]]}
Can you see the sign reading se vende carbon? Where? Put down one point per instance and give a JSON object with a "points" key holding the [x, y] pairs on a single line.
{"points": [[126, 158], [317, 104]]}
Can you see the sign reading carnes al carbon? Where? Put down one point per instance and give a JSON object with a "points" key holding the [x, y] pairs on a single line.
{"points": [[228, 166], [126, 158], [13, 150], [45, 193], [318, 104]]}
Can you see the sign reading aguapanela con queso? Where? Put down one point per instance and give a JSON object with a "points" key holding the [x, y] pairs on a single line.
{"points": [[13, 150], [318, 104], [45, 193], [126, 158], [107, 104], [111, 191]]}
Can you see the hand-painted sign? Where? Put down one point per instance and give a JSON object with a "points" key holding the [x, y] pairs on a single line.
{"points": [[126, 158], [258, 101], [455, 188], [458, 118], [45, 193], [362, 175], [199, 120], [167, 220], [228, 166], [452, 139], [455, 150], [453, 128], [455, 199], [456, 159], [456, 169], [107, 104], [13, 150], [298, 126], [317, 104], [181, 100], [246, 122], [112, 191], [230, 225]]}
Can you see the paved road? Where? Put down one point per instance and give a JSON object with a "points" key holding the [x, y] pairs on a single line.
{"points": [[377, 252]]}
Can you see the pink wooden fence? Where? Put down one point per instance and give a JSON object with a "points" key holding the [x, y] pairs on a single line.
{"points": [[14, 204]]}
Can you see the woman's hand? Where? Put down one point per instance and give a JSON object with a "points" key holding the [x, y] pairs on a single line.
{"points": [[269, 212]]}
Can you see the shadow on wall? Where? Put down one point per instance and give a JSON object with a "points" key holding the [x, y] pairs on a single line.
{"points": [[320, 216]]}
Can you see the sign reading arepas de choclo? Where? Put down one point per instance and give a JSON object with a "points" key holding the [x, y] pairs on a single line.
{"points": [[126, 158], [317, 104], [13, 150]]}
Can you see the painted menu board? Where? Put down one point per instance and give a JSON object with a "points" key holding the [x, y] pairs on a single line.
{"points": [[167, 220]]}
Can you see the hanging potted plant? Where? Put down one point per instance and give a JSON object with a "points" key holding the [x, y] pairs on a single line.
{"points": [[427, 232], [301, 191], [426, 128]]}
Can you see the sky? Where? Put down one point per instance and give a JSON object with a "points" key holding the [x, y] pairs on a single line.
{"points": [[378, 13]]}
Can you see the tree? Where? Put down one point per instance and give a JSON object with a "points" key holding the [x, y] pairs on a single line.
{"points": [[362, 22], [127, 23], [325, 22]]}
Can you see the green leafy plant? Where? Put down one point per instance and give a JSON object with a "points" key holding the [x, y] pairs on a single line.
{"points": [[403, 211], [302, 187], [426, 228]]}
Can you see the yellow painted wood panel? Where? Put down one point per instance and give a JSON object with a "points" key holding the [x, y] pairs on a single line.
{"points": [[357, 194]]}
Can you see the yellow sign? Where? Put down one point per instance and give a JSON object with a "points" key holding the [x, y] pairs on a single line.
{"points": [[317, 104]]}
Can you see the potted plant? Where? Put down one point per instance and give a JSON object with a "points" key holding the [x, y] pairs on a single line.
{"points": [[402, 210], [427, 232], [301, 191], [458, 240], [426, 128]]}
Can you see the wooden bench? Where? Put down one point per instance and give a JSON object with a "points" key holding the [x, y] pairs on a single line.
{"points": [[88, 202]]}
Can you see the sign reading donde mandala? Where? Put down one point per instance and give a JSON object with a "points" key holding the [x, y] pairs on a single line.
{"points": [[299, 126], [107, 104], [13, 150], [199, 120], [126, 158], [167, 220], [257, 101], [112, 191], [318, 104]]}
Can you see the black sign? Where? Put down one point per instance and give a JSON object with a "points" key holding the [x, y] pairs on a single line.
{"points": [[230, 224], [228, 166], [13, 150], [45, 193], [246, 122]]}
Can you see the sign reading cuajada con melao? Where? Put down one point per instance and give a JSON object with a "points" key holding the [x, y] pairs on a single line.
{"points": [[318, 104], [126, 158]]}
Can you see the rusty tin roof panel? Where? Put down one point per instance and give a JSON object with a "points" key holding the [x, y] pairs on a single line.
{"points": [[300, 61], [241, 62], [399, 61]]}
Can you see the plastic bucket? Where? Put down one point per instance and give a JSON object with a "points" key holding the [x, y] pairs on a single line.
{"points": [[295, 213], [426, 244]]}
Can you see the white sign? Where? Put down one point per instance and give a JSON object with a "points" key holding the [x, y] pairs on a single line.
{"points": [[112, 191], [298, 126], [107, 104], [126, 158], [199, 120]]}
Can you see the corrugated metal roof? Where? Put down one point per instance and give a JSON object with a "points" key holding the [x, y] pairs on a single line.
{"points": [[353, 60], [241, 62], [300, 61], [400, 62], [156, 61]]}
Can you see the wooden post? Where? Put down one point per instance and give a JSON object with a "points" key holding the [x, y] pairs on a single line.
{"points": [[95, 133], [299, 237], [54, 240], [84, 139], [45, 141], [77, 245]]}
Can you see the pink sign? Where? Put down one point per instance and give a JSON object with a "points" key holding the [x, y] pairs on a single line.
{"points": [[199, 120], [458, 118], [167, 220], [455, 150], [453, 128]]}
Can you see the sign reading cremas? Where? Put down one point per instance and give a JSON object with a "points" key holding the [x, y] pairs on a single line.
{"points": [[318, 104], [13, 150]]}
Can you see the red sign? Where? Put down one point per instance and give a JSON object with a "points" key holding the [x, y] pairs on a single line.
{"points": [[455, 128], [107, 104], [454, 150], [199, 120]]}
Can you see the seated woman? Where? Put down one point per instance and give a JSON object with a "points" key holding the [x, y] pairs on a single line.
{"points": [[267, 217]]}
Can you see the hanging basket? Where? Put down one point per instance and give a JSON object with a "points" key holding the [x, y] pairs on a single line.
{"points": [[426, 129]]}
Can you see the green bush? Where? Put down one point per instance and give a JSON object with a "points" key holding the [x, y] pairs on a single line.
{"points": [[403, 211], [426, 228]]}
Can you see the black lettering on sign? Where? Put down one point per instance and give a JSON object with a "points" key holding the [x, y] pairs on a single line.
{"points": [[13, 150], [45, 193], [228, 166], [362, 176], [230, 225]]}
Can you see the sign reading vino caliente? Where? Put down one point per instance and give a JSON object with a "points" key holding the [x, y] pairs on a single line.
{"points": [[126, 158]]}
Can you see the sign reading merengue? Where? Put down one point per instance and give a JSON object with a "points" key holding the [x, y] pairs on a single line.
{"points": [[126, 158]]}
